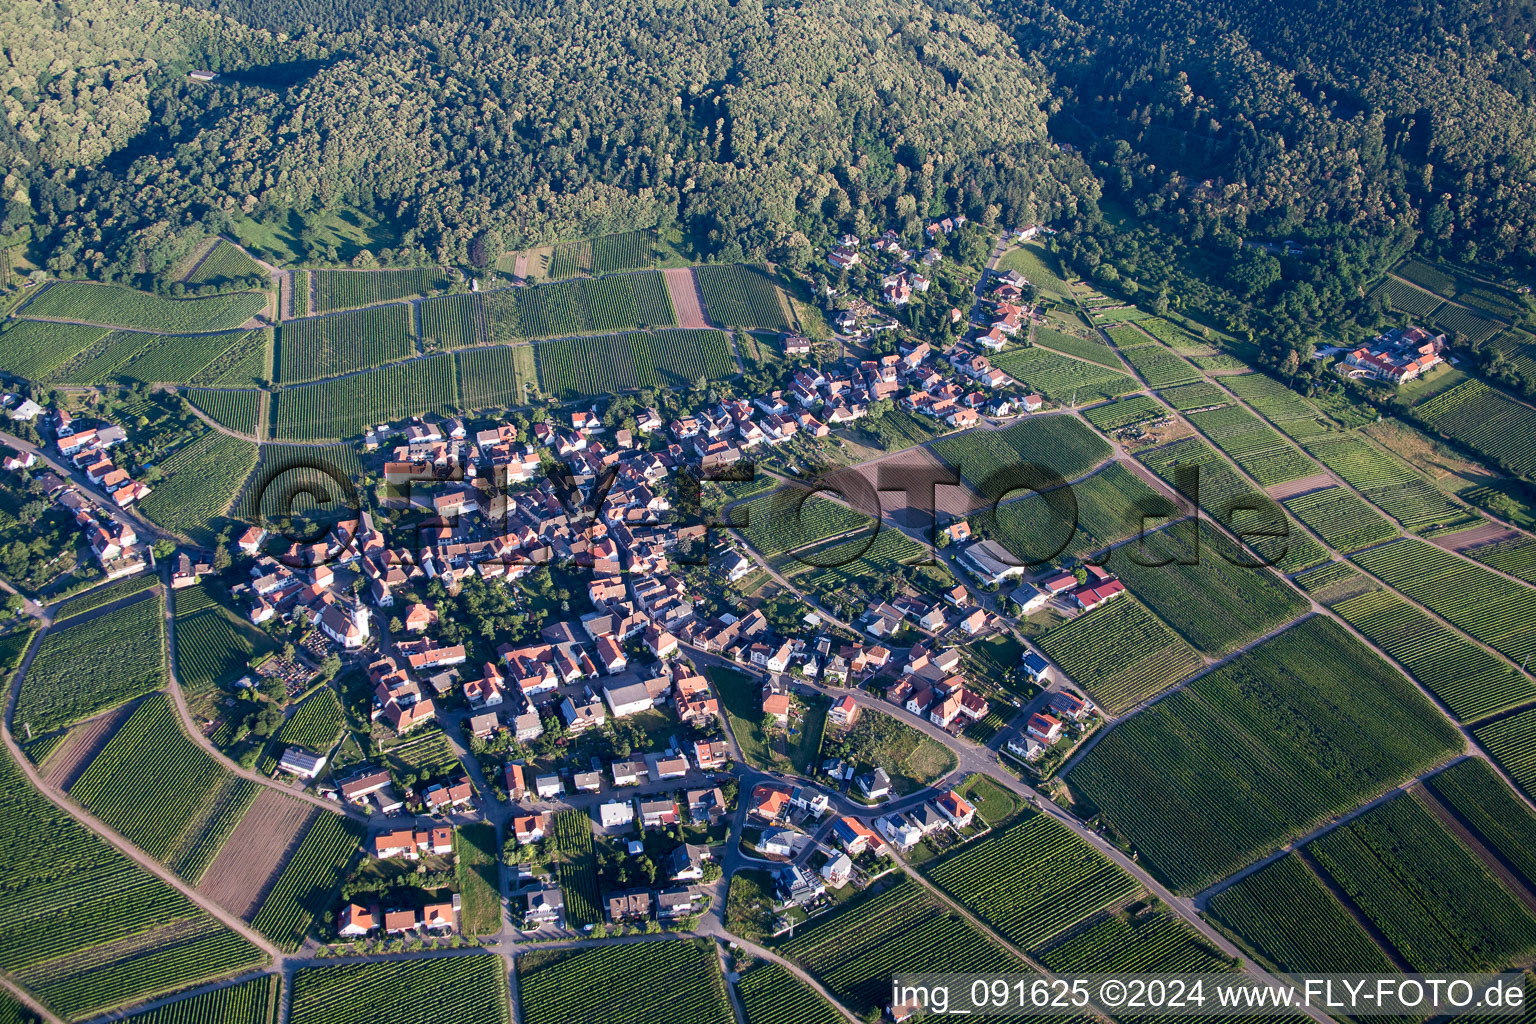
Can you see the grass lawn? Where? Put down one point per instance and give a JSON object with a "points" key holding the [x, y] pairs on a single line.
{"points": [[277, 241], [912, 759], [991, 800], [479, 878], [741, 695], [749, 905]]}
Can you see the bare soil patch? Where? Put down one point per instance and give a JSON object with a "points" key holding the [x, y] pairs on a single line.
{"points": [[686, 300], [1291, 488], [254, 855], [82, 745], [1488, 533]]}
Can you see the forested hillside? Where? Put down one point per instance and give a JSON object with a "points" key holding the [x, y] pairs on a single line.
{"points": [[752, 124]]}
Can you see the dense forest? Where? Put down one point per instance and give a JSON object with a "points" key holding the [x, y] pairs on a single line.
{"points": [[1160, 135], [751, 124]]}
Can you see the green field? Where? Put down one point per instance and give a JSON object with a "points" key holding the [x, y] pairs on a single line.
{"points": [[605, 364], [304, 888], [327, 346], [1487, 606], [1061, 379], [1122, 653], [347, 406], [903, 929], [771, 995], [162, 791], [1208, 591], [1345, 522], [1032, 881], [89, 666], [1288, 917], [316, 724], [1473, 683], [200, 482], [741, 698], [497, 377], [250, 1002], [240, 411], [1303, 728], [442, 990], [1253, 444], [213, 648], [343, 289], [1042, 451], [738, 295], [72, 899], [100, 597], [911, 758], [478, 869], [113, 306], [1431, 897], [678, 980], [126, 356], [1485, 420], [572, 837], [227, 266]]}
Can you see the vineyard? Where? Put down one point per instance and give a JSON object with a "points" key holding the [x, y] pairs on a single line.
{"points": [[155, 786], [251, 1002], [1406, 298], [344, 289], [347, 406], [228, 266], [1202, 394], [1325, 577], [1279, 404], [304, 888], [1160, 367], [200, 481], [438, 990], [1386, 481], [1062, 379], [70, 895], [630, 250], [327, 346], [113, 306], [213, 647], [242, 365], [491, 378], [1487, 606], [1136, 409], [100, 597], [771, 995], [1484, 803], [316, 723], [620, 302], [1431, 898], [792, 517], [1059, 445], [1345, 522], [1512, 743], [1082, 348], [607, 364], [854, 951], [1286, 915], [1516, 557], [1477, 327], [578, 868], [678, 980], [1213, 603], [1106, 507], [842, 574], [1253, 444], [240, 411], [1171, 335], [1302, 728], [153, 358], [1121, 653], [283, 470], [1472, 683], [1484, 419], [35, 350], [740, 295], [1035, 263], [90, 666], [1032, 881], [1150, 941], [453, 321]]}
